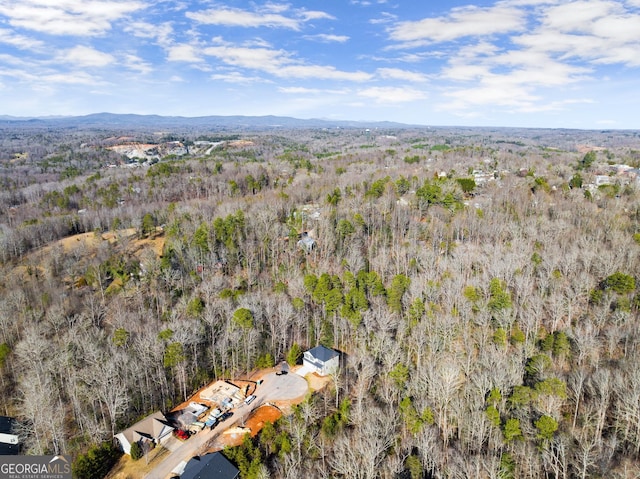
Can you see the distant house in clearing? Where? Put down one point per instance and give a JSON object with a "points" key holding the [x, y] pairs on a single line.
{"points": [[306, 242], [154, 428], [9, 441], [321, 360], [210, 466], [601, 180]]}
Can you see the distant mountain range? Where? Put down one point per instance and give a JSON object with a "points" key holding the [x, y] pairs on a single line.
{"points": [[113, 120]]}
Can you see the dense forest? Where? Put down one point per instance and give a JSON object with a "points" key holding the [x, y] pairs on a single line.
{"points": [[481, 285]]}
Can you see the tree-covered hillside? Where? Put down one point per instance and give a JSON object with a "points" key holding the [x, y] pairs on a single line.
{"points": [[480, 283]]}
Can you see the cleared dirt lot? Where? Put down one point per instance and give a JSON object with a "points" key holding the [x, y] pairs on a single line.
{"points": [[85, 245], [274, 390], [275, 397]]}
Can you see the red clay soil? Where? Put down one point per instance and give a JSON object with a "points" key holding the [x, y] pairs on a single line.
{"points": [[261, 416], [252, 425]]}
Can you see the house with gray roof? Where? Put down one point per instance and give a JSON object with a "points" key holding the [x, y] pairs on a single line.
{"points": [[321, 360], [210, 466], [306, 242], [154, 428]]}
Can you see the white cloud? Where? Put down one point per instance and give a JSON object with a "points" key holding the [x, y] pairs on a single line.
{"points": [[384, 19], [600, 32], [553, 105], [366, 3], [135, 63], [46, 79], [516, 91], [68, 17], [518, 54], [161, 32], [485, 75], [621, 28], [575, 16], [237, 78], [183, 53], [13, 60], [9, 37], [462, 22], [391, 95], [278, 63], [398, 74], [253, 42], [419, 57], [315, 15], [270, 15], [496, 94], [275, 7], [254, 58], [319, 72], [328, 38], [71, 78], [296, 90], [538, 68], [528, 3], [242, 18], [82, 56]]}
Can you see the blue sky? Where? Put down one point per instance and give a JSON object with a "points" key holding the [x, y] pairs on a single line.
{"points": [[532, 63]]}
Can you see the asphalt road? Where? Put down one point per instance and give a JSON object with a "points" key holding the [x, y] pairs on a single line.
{"points": [[273, 388]]}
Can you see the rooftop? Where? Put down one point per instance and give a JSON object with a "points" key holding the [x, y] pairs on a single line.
{"points": [[210, 466], [323, 353]]}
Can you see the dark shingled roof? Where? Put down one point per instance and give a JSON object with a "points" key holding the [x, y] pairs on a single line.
{"points": [[323, 354], [6, 427], [210, 466]]}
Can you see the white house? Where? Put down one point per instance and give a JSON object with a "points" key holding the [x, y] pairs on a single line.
{"points": [[604, 180], [321, 360], [307, 243], [9, 442], [154, 428]]}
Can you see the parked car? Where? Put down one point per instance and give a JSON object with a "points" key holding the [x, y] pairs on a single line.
{"points": [[195, 427], [249, 399], [181, 434], [210, 423], [226, 416]]}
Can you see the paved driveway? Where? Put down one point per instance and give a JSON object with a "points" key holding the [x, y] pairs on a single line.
{"points": [[281, 388], [273, 389]]}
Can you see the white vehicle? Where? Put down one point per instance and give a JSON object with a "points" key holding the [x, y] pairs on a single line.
{"points": [[215, 414], [249, 399], [196, 426]]}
